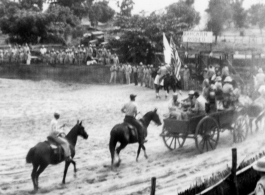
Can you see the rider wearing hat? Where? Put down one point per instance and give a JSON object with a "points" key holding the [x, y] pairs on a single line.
{"points": [[130, 110], [57, 136], [260, 168]]}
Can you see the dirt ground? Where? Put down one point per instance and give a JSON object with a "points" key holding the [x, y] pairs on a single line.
{"points": [[27, 108]]}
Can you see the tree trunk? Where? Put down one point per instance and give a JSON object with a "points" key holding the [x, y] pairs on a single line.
{"points": [[216, 39]]}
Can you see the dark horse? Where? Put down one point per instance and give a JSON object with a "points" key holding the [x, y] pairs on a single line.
{"points": [[126, 134], [41, 155], [170, 82]]}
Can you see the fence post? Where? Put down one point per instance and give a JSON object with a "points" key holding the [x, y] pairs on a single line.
{"points": [[233, 171], [153, 186]]}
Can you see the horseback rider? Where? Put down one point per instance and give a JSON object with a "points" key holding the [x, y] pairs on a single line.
{"points": [[159, 79], [130, 110], [57, 136]]}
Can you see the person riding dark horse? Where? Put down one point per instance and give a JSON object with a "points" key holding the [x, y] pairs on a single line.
{"points": [[130, 110], [57, 136], [126, 134], [43, 154]]}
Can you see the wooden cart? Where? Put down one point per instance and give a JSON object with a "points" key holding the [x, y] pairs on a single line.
{"points": [[205, 129]]}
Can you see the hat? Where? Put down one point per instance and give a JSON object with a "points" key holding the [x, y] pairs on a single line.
{"points": [[141, 63], [218, 78], [260, 70], [228, 79], [191, 92], [260, 165], [56, 114], [132, 96], [175, 95], [262, 90], [185, 66]]}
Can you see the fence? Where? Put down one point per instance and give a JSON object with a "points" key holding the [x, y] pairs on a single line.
{"points": [[81, 74]]}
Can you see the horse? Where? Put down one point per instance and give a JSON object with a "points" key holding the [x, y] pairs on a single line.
{"points": [[170, 81], [126, 134], [42, 155]]}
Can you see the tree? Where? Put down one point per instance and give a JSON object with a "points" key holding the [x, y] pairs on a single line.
{"points": [[36, 5], [239, 14], [257, 15], [219, 12], [126, 8], [100, 12], [142, 35]]}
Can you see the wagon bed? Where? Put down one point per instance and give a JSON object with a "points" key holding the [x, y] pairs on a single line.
{"points": [[204, 129]]}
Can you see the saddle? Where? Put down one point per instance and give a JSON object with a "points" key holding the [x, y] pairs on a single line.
{"points": [[57, 152], [132, 132]]}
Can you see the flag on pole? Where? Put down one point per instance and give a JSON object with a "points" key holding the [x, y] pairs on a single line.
{"points": [[176, 59], [167, 50]]}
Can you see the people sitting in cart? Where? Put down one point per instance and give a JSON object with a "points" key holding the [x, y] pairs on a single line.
{"points": [[174, 107], [199, 107], [188, 102]]}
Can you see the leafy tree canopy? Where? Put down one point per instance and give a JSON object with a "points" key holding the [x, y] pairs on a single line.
{"points": [[142, 35], [239, 14], [257, 15], [219, 13]]}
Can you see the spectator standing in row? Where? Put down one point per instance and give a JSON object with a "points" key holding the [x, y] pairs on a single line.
{"points": [[186, 77], [113, 74], [140, 73], [128, 71], [135, 74]]}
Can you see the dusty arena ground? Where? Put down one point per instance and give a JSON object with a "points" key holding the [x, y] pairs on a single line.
{"points": [[26, 109]]}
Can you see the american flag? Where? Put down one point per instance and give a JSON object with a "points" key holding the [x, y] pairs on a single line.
{"points": [[176, 62]]}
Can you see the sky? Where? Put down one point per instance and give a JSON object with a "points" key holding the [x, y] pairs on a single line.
{"points": [[153, 5]]}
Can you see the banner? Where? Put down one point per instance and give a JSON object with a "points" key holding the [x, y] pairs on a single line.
{"points": [[197, 36]]}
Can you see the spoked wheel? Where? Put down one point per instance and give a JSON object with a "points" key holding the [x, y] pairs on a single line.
{"points": [[172, 141], [241, 127], [207, 134]]}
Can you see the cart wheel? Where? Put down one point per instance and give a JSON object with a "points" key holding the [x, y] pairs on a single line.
{"points": [[207, 134], [241, 127], [171, 141]]}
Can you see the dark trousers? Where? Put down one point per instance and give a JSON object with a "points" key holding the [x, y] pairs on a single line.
{"points": [[135, 76], [131, 120]]}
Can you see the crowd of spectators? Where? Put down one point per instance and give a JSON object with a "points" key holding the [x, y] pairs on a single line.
{"points": [[75, 55], [139, 74]]}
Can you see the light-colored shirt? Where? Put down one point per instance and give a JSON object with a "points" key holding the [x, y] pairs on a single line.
{"points": [[130, 109], [227, 88], [55, 128], [199, 107]]}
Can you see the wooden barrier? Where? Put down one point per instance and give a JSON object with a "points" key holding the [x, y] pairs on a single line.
{"points": [[81, 74]]}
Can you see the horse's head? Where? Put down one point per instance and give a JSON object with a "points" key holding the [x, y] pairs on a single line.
{"points": [[155, 117], [81, 130]]}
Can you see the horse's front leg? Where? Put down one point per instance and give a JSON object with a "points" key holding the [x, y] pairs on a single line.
{"points": [[67, 163]]}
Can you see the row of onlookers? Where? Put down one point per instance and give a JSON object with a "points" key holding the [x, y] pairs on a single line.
{"points": [[78, 55]]}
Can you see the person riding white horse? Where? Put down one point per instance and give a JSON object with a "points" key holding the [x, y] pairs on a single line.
{"points": [[159, 79]]}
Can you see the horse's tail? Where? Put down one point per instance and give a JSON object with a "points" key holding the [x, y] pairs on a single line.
{"points": [[30, 155], [112, 144]]}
